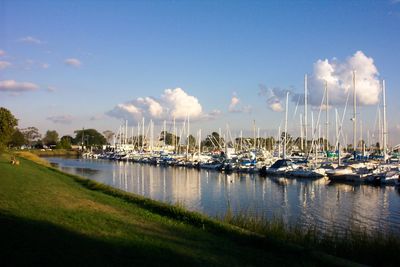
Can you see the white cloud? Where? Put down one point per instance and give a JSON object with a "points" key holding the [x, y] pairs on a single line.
{"points": [[172, 103], [234, 102], [73, 62], [338, 76], [236, 107], [30, 40], [13, 86], [4, 64], [275, 97], [62, 119], [2, 53], [45, 65]]}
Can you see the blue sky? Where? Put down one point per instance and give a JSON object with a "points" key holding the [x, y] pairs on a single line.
{"points": [[84, 58]]}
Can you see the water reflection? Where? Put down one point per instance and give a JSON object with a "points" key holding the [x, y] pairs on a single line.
{"points": [[296, 201]]}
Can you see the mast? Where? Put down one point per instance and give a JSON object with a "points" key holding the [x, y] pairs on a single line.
{"points": [[199, 143], [354, 114], [305, 111], [286, 118], [327, 116], [126, 131], [188, 135], [279, 141], [143, 133], [165, 134], [384, 122], [138, 134], [254, 134], [336, 130], [175, 137], [301, 131]]}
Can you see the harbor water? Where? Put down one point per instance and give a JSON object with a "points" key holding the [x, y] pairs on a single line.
{"points": [[297, 202]]}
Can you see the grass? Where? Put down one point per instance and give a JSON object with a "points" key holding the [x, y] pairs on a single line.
{"points": [[371, 248], [55, 152], [51, 218]]}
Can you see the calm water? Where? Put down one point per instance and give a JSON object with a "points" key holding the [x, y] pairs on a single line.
{"points": [[295, 201]]}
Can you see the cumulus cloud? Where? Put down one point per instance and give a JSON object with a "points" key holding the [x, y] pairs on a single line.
{"points": [[73, 62], [234, 102], [30, 40], [45, 65], [173, 103], [4, 64], [275, 97], [14, 86], [2, 53], [62, 119], [339, 76], [236, 107]]}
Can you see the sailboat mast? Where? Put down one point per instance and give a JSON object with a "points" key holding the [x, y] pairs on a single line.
{"points": [[305, 111], [354, 113], [286, 118], [384, 122], [327, 116]]}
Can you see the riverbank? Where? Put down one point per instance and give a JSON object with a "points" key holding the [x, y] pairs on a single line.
{"points": [[49, 217], [55, 152]]}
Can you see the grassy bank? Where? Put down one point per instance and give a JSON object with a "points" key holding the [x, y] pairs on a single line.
{"points": [[51, 218], [55, 152], [360, 245]]}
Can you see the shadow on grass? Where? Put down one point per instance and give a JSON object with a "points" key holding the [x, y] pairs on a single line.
{"points": [[29, 242]]}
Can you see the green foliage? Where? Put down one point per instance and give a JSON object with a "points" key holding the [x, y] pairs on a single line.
{"points": [[192, 141], [170, 139], [51, 138], [17, 139], [65, 142], [89, 137], [213, 141], [7, 124], [31, 134]]}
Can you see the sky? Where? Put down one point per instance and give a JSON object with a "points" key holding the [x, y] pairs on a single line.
{"points": [[68, 65]]}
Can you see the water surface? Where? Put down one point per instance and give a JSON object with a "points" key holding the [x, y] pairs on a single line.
{"points": [[303, 202]]}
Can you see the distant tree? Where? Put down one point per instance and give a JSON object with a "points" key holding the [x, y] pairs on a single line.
{"points": [[213, 140], [65, 142], [17, 139], [90, 137], [51, 138], [109, 135], [170, 139], [192, 141], [31, 134], [7, 124]]}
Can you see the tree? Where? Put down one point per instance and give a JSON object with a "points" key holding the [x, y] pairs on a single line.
{"points": [[7, 124], [89, 137], [170, 138], [31, 134], [65, 142], [213, 140], [51, 138], [17, 139], [192, 141]]}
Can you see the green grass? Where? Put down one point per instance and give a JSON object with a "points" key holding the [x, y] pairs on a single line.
{"points": [[372, 248], [55, 152], [51, 218]]}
